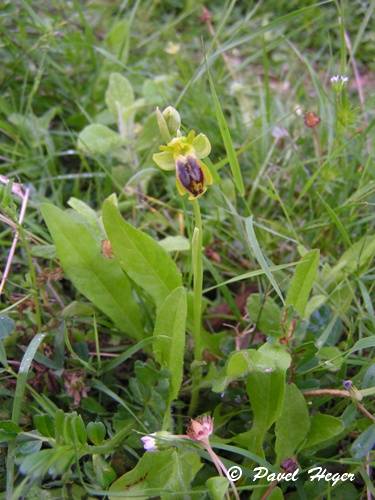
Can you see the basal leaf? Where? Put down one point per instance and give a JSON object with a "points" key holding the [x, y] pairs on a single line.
{"points": [[97, 139], [100, 279], [119, 96], [141, 257]]}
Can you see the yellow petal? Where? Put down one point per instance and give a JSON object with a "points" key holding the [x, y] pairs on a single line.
{"points": [[206, 174], [164, 160], [201, 146]]}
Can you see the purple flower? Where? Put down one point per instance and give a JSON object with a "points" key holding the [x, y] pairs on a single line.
{"points": [[149, 442], [347, 384]]}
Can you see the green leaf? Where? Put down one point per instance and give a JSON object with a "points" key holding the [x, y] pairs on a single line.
{"points": [[355, 260], [55, 461], [332, 357], [85, 210], [365, 343], [302, 282], [101, 280], [265, 388], [364, 443], [45, 425], [294, 415], [7, 326], [23, 373], [19, 398], [276, 494], [323, 428], [170, 323], [336, 220], [104, 473], [97, 139], [141, 257], [175, 244], [79, 429], [227, 139], [259, 255], [265, 313], [128, 353], [8, 431], [169, 471], [217, 487], [117, 39], [119, 96], [96, 432], [240, 363]]}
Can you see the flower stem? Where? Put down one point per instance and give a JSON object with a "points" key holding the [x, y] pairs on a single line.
{"points": [[197, 304]]}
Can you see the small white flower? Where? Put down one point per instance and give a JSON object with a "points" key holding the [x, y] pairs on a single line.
{"points": [[338, 81], [149, 442], [298, 110]]}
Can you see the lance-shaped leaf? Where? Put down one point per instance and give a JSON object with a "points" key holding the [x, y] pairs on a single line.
{"points": [[98, 278], [141, 257]]}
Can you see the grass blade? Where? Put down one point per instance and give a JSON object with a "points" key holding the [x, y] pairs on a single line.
{"points": [[260, 257], [227, 139], [23, 373]]}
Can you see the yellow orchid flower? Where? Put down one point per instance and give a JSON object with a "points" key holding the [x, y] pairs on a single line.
{"points": [[184, 154]]}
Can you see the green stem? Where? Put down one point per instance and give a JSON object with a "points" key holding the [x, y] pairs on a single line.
{"points": [[197, 305], [167, 416]]}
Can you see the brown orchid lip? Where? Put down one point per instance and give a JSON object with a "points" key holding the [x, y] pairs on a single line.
{"points": [[190, 175]]}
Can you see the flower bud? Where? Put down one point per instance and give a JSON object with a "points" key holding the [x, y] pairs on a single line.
{"points": [[311, 119], [201, 428], [172, 119], [163, 127]]}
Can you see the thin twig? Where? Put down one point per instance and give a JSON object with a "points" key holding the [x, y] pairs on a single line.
{"points": [[339, 394], [269, 490], [327, 392], [365, 412], [17, 189]]}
